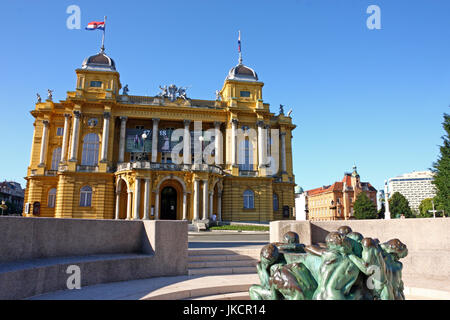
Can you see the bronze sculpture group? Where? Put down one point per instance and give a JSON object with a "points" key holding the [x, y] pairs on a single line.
{"points": [[346, 267]]}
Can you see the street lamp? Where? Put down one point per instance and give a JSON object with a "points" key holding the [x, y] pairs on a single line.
{"points": [[145, 136]]}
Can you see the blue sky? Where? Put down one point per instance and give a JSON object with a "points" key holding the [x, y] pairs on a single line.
{"points": [[370, 97]]}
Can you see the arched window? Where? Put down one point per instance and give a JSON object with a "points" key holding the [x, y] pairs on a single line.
{"points": [[90, 150], [51, 198], [56, 157], [249, 199], [86, 196], [275, 202]]}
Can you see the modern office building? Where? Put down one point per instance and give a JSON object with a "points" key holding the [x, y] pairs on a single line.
{"points": [[102, 154], [414, 186]]}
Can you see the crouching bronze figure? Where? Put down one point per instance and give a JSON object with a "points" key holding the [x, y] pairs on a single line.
{"points": [[346, 267]]}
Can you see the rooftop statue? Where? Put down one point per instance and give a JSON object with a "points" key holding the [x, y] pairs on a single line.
{"points": [[346, 267], [218, 96], [39, 99], [182, 93], [50, 94], [125, 90], [173, 92], [164, 92]]}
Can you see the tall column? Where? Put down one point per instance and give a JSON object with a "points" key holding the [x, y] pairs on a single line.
{"points": [[137, 198], [146, 198], [184, 206], [195, 200], [75, 134], [218, 144], [123, 129], [129, 199], [157, 205], [187, 158], [105, 136], [261, 144], [233, 141], [387, 212], [211, 195], [65, 137], [219, 206], [44, 139], [283, 152], [155, 140], [117, 204], [205, 199]]}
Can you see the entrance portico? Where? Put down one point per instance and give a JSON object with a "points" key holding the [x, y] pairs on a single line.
{"points": [[142, 193]]}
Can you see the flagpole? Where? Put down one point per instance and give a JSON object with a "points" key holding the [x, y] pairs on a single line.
{"points": [[240, 48], [103, 37]]}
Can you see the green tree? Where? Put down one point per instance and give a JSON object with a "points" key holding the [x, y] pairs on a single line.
{"points": [[442, 169], [364, 208], [427, 204], [424, 207], [399, 205]]}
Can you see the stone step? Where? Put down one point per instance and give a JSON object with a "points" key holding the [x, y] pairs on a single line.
{"points": [[253, 252], [222, 263], [202, 287], [243, 295], [222, 257], [221, 270]]}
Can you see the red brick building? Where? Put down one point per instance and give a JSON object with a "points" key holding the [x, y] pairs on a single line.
{"points": [[335, 202]]}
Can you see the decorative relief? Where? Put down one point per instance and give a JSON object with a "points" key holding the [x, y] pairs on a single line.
{"points": [[92, 122]]}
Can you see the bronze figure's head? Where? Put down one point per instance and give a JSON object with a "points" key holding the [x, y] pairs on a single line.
{"points": [[291, 237], [269, 253], [344, 230]]}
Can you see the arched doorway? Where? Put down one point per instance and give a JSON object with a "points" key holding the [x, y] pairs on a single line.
{"points": [[123, 199], [169, 204]]}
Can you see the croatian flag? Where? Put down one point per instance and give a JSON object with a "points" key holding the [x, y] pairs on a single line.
{"points": [[96, 25], [239, 42]]}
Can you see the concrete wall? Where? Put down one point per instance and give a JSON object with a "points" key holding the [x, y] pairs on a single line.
{"points": [[428, 240], [35, 252]]}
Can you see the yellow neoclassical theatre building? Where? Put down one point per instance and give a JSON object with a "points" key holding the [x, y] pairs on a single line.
{"points": [[105, 154]]}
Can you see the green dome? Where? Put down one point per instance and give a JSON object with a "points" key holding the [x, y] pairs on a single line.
{"points": [[298, 189]]}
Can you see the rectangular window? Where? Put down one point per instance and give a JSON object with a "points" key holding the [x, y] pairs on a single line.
{"points": [[245, 94], [59, 131], [96, 84], [85, 199]]}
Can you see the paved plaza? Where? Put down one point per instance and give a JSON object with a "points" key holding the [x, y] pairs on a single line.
{"points": [[232, 286]]}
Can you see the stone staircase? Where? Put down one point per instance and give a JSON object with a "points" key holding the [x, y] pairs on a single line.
{"points": [[222, 261]]}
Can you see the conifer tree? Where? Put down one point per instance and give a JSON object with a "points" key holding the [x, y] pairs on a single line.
{"points": [[442, 170]]}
